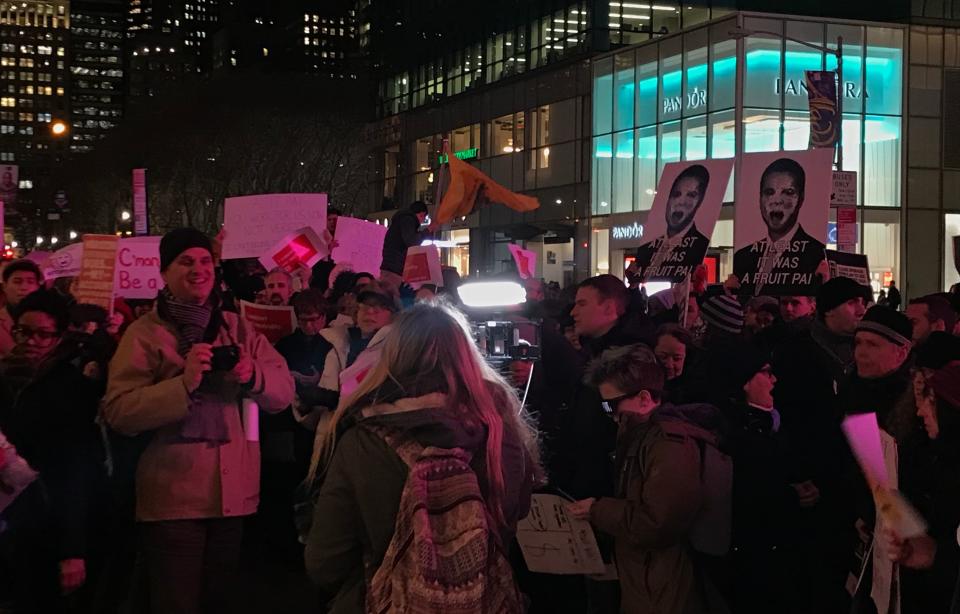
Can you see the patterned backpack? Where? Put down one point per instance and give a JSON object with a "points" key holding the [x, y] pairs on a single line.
{"points": [[444, 557]]}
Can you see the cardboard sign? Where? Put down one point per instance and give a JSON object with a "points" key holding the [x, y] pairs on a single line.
{"points": [[525, 260], [63, 262], [847, 229], [273, 322], [681, 221], [780, 225], [252, 224], [138, 268], [303, 248], [140, 220], [97, 271], [854, 266], [422, 266], [555, 543], [359, 244]]}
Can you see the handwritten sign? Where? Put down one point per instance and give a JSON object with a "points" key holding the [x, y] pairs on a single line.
{"points": [[556, 543], [138, 268], [303, 248], [97, 270], [272, 321], [252, 224], [359, 244], [422, 266], [525, 260]]}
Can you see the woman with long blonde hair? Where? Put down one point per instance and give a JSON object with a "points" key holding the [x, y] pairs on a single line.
{"points": [[434, 388]]}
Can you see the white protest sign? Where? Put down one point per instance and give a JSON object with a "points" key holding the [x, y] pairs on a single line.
{"points": [[360, 244], [863, 433], [525, 260], [352, 376], [422, 266], [556, 543], [252, 224], [138, 268], [64, 262]]}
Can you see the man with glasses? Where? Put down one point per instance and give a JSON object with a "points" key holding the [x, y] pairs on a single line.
{"points": [[659, 492]]}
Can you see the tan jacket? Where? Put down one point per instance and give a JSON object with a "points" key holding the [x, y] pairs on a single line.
{"points": [[145, 392]]}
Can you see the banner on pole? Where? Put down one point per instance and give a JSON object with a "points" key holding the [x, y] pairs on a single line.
{"points": [[141, 225], [822, 94]]}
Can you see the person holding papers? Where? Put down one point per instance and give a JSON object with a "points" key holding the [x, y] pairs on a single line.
{"points": [[403, 233]]}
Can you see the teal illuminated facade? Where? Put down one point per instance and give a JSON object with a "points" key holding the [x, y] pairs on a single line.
{"points": [[684, 97]]}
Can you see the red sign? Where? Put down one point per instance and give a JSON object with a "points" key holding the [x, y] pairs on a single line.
{"points": [[422, 266], [303, 248], [846, 229], [273, 322]]}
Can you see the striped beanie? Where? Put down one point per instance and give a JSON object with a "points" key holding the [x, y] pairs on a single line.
{"points": [[723, 312], [889, 324]]}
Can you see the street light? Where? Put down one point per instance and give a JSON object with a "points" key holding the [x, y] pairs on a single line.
{"points": [[125, 216], [39, 240], [73, 235], [740, 33], [54, 240], [58, 128]]}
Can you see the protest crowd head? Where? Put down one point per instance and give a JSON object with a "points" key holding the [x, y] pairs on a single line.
{"points": [[841, 303], [186, 263], [599, 303], [629, 380], [671, 348], [882, 342], [929, 314], [41, 319], [796, 307], [20, 278], [279, 287]]}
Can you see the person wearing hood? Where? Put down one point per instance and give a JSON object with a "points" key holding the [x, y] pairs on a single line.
{"points": [[659, 493], [431, 388], [764, 551], [810, 370], [929, 477], [181, 374]]}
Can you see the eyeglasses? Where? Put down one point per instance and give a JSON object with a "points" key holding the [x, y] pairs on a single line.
{"points": [[42, 337]]}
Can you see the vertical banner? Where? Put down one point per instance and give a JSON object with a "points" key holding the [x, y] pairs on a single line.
{"points": [[140, 224], [847, 229], [822, 94], [97, 270]]}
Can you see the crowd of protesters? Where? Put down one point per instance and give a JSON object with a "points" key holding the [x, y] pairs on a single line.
{"points": [[376, 451]]}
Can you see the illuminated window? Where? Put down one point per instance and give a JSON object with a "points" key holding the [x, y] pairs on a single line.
{"points": [[7, 102]]}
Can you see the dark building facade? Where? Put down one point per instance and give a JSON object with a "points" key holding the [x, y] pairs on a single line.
{"points": [[97, 86]]}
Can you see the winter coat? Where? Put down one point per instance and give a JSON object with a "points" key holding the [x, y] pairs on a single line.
{"points": [[6, 331], [356, 511], [50, 420], [658, 497], [145, 392], [402, 234], [337, 357]]}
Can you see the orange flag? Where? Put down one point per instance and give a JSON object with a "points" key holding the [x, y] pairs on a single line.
{"points": [[469, 187]]}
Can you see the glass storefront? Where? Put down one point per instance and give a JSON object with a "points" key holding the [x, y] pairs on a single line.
{"points": [[680, 93]]}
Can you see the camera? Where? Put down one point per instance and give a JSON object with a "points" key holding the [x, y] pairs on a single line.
{"points": [[225, 357]]}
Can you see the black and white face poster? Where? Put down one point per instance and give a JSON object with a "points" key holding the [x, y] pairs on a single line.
{"points": [[780, 228], [681, 221]]}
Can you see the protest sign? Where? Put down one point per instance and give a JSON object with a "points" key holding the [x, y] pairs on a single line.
{"points": [[685, 210], [299, 249], [97, 271], [138, 268], [252, 224], [352, 376], [63, 262], [863, 433], [854, 266], [422, 266], [783, 205], [553, 542], [39, 257], [272, 321], [525, 260], [847, 229], [359, 244]]}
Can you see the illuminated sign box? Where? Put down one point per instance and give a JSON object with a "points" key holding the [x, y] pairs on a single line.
{"points": [[466, 154]]}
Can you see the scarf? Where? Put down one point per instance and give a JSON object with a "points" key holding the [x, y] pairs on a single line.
{"points": [[196, 324]]}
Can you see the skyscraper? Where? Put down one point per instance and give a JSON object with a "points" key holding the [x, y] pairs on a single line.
{"points": [[97, 30]]}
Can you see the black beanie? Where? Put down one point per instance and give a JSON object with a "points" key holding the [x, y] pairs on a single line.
{"points": [[889, 324], [180, 240], [838, 291]]}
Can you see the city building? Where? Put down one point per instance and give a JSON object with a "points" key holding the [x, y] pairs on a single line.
{"points": [[567, 103], [168, 41], [97, 89], [34, 96]]}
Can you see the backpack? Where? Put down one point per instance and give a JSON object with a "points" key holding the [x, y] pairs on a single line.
{"points": [[445, 556]]}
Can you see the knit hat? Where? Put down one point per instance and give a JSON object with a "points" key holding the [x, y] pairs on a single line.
{"points": [[937, 350], [838, 291], [723, 312], [180, 240], [889, 324]]}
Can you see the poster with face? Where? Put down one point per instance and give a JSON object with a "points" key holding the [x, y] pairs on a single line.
{"points": [[681, 221], [9, 177], [783, 205]]}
